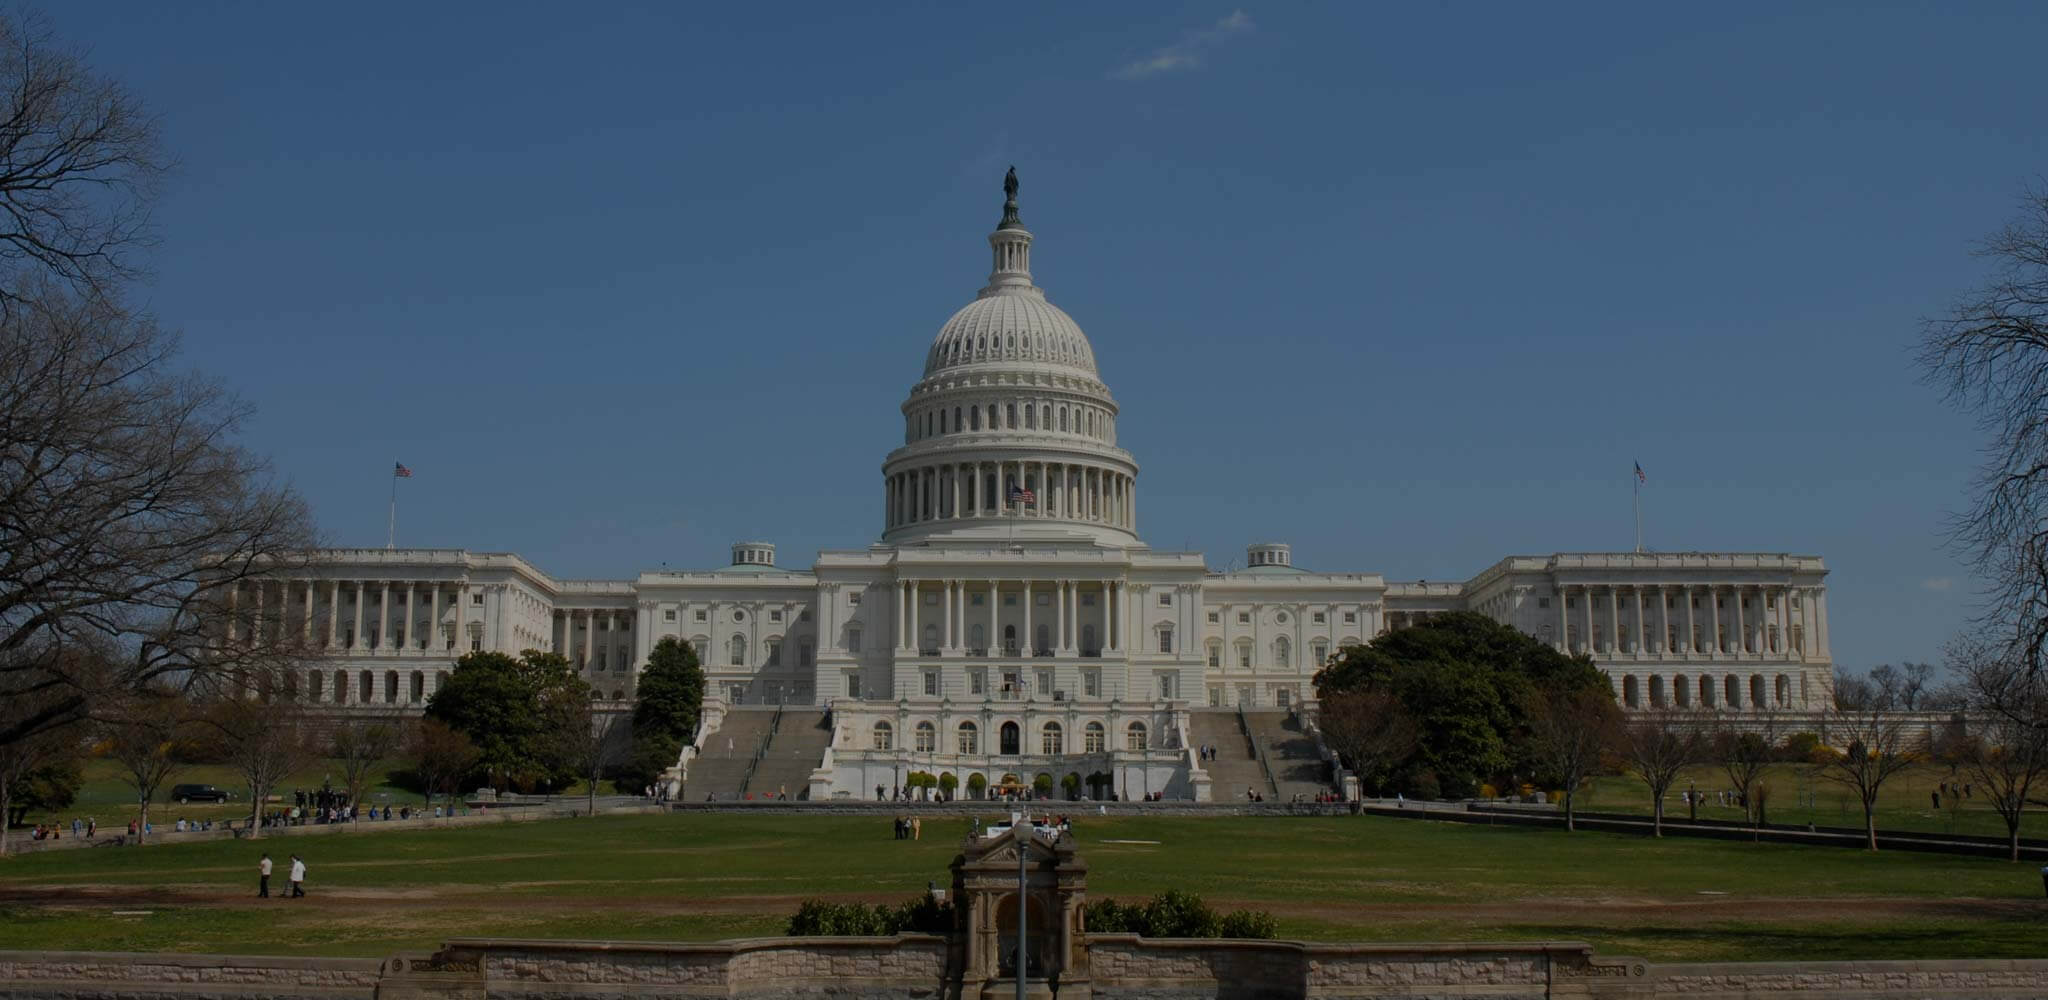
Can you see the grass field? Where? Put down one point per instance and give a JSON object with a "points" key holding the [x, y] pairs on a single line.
{"points": [[711, 876], [1902, 805]]}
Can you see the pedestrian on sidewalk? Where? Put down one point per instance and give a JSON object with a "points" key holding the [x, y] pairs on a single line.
{"points": [[263, 877], [298, 877]]}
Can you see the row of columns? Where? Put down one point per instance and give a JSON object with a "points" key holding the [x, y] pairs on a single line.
{"points": [[591, 617], [950, 491], [1711, 691], [1067, 627], [302, 592], [1751, 636]]}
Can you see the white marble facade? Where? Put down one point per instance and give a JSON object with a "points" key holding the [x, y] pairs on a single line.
{"points": [[1010, 605]]}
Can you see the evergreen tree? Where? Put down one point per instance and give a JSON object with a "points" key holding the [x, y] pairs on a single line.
{"points": [[514, 711], [669, 705]]}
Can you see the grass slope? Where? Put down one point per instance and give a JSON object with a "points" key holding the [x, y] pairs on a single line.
{"points": [[712, 876]]}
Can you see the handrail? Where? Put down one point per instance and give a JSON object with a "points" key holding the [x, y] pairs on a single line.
{"points": [[774, 723], [1258, 752]]}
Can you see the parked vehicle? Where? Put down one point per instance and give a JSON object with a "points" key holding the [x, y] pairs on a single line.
{"points": [[182, 794]]}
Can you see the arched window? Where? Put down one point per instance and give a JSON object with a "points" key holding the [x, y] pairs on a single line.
{"points": [[341, 687], [1134, 737], [1010, 640], [1051, 740], [1215, 652], [1010, 416], [1092, 738], [738, 647], [970, 738], [942, 421], [1244, 654], [1631, 692], [1045, 416], [1757, 697], [1009, 734], [885, 737], [1681, 692], [1030, 417], [957, 425], [313, 682], [1043, 640], [974, 418], [1088, 644], [391, 687], [618, 694], [977, 638], [993, 423], [1731, 691], [1706, 691], [1063, 418], [1283, 652], [927, 737], [419, 687], [1784, 691]]}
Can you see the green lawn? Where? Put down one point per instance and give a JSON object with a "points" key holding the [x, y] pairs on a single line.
{"points": [[710, 876], [1795, 798]]}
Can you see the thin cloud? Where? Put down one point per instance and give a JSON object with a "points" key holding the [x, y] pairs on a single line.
{"points": [[1187, 53], [1938, 584]]}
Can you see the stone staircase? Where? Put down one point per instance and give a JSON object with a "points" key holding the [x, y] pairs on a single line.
{"points": [[794, 747], [1236, 767], [1291, 752], [796, 750]]}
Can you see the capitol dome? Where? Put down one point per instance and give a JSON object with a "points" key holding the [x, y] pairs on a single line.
{"points": [[1010, 421]]}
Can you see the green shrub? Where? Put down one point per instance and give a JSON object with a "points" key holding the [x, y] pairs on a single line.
{"points": [[1176, 914], [1249, 924], [922, 914]]}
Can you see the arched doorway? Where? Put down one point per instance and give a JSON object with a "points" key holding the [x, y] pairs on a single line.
{"points": [[1010, 738]]}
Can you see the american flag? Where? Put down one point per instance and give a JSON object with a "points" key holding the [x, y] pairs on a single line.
{"points": [[1640, 478], [401, 471], [1020, 495]]}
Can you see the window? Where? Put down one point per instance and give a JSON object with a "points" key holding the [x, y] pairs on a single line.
{"points": [[1045, 683], [853, 640], [1281, 618], [1166, 599], [739, 616], [1351, 617], [1541, 602], [1215, 617], [885, 737], [1282, 653], [853, 599], [803, 654], [1244, 653], [773, 616], [621, 665], [977, 600], [1321, 651], [970, 738], [1244, 618], [1051, 740], [1166, 640], [927, 737], [703, 615], [1087, 600], [1093, 738], [1169, 686], [1215, 652], [931, 683], [1571, 602], [1317, 618], [976, 682], [669, 615], [931, 599], [775, 652], [1091, 683], [853, 685], [738, 649], [1134, 737], [477, 600]]}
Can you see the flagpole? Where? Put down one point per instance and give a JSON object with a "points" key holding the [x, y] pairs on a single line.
{"points": [[391, 534], [1637, 480]]}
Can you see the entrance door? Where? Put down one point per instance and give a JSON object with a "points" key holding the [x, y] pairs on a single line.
{"points": [[1010, 738]]}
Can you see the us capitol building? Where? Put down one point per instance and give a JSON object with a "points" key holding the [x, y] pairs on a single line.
{"points": [[1011, 619]]}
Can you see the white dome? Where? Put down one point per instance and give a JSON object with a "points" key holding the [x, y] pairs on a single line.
{"points": [[1007, 327]]}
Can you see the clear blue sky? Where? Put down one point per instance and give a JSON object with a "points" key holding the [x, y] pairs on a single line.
{"points": [[1407, 286]]}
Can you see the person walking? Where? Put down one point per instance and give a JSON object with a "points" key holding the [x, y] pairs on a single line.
{"points": [[298, 877], [263, 877]]}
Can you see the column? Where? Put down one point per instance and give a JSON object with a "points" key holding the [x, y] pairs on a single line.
{"points": [[1741, 626], [384, 615], [1133, 522], [902, 614], [1688, 644], [1714, 623], [947, 609], [995, 617], [306, 625], [1587, 593], [590, 639], [361, 599], [1116, 599], [1564, 624], [916, 633], [411, 619], [1820, 623], [1664, 643], [960, 611], [1614, 621], [1059, 628], [1024, 640], [1638, 626], [334, 613]]}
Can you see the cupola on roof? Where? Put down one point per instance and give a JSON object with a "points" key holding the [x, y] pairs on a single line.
{"points": [[1010, 322]]}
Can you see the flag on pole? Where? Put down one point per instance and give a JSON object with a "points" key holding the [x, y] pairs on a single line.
{"points": [[401, 472], [1020, 495], [1640, 478]]}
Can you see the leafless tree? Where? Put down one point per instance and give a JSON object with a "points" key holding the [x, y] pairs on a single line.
{"points": [[596, 741], [359, 743], [146, 732], [2005, 752], [132, 521], [265, 742], [440, 756], [1875, 746], [1657, 745], [1369, 731], [1568, 733], [1989, 351], [80, 168], [1743, 745]]}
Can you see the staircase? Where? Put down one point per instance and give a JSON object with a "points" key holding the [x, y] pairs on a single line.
{"points": [[1236, 766], [1291, 754], [720, 771], [795, 750]]}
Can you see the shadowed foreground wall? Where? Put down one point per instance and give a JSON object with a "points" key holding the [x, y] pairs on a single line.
{"points": [[916, 966]]}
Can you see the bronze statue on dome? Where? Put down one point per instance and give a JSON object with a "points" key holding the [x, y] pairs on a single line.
{"points": [[1010, 184]]}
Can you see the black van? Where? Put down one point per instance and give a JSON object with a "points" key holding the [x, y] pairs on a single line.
{"points": [[182, 794]]}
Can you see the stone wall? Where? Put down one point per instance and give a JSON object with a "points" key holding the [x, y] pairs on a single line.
{"points": [[1123, 967]]}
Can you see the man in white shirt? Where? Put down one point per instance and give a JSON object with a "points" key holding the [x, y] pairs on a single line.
{"points": [[298, 877], [263, 877]]}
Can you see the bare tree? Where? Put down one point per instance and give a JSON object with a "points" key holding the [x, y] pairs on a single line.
{"points": [[1989, 351], [1877, 746], [2006, 752], [146, 732], [1743, 745], [1568, 733], [80, 167], [596, 741], [440, 756], [359, 743], [22, 758], [133, 523], [264, 743], [1657, 745], [1370, 731]]}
